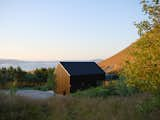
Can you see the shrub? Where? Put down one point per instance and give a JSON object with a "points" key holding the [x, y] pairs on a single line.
{"points": [[143, 71], [93, 92], [117, 87], [122, 89]]}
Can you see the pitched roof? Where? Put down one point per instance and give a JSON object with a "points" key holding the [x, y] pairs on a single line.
{"points": [[82, 68]]}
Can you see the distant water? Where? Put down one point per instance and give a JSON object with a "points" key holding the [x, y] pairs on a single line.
{"points": [[29, 66]]}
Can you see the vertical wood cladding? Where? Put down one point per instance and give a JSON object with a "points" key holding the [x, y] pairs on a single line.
{"points": [[62, 80]]}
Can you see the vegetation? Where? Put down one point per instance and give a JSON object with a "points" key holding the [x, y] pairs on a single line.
{"points": [[95, 92], [16, 77], [152, 10], [129, 98], [143, 71], [74, 108], [115, 88]]}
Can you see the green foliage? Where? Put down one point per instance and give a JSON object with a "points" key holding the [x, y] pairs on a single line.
{"points": [[13, 88], [50, 84], [51, 79], [143, 71], [122, 89], [149, 105], [40, 77], [152, 10], [118, 88], [41, 74], [41, 88], [94, 92]]}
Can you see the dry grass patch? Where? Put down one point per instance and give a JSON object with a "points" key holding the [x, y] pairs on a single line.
{"points": [[73, 108]]}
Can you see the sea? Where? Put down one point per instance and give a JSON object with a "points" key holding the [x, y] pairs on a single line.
{"points": [[30, 66]]}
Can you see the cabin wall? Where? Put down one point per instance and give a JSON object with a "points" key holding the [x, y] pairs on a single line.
{"points": [[86, 81], [62, 80]]}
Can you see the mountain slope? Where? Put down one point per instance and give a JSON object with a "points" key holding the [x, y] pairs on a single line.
{"points": [[114, 63]]}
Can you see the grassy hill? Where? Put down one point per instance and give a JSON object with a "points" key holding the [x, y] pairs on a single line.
{"points": [[114, 63]]}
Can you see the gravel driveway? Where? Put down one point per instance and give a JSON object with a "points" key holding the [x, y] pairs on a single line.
{"points": [[35, 94]]}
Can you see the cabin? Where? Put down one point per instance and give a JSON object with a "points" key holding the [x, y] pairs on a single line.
{"points": [[74, 76]]}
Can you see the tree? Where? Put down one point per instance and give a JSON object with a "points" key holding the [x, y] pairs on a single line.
{"points": [[143, 72], [41, 74], [151, 8]]}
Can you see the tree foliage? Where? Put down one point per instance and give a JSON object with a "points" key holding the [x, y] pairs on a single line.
{"points": [[151, 8], [25, 79], [143, 72]]}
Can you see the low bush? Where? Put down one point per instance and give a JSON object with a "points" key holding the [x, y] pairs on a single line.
{"points": [[122, 89], [115, 87], [93, 92]]}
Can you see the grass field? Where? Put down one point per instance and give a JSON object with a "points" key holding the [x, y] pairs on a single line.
{"points": [[78, 108]]}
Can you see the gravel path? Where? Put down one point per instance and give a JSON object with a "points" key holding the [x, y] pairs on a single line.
{"points": [[35, 94]]}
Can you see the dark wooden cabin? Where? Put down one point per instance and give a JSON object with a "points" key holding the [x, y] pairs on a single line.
{"points": [[73, 76]]}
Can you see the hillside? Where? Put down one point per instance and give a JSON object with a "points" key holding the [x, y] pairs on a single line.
{"points": [[114, 63]]}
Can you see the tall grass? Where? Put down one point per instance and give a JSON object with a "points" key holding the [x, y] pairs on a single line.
{"points": [[73, 108]]}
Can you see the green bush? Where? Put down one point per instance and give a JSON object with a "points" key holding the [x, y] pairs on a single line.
{"points": [[122, 89], [143, 70], [93, 92], [117, 87]]}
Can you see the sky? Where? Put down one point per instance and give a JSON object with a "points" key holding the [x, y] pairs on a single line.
{"points": [[67, 29]]}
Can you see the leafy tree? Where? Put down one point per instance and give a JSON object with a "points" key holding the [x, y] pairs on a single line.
{"points": [[29, 78], [143, 72], [19, 78], [41, 74], [19, 74], [4, 76], [151, 8]]}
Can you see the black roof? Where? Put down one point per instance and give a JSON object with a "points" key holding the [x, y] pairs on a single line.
{"points": [[82, 68]]}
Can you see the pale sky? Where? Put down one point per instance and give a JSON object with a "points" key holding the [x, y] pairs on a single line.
{"points": [[66, 29]]}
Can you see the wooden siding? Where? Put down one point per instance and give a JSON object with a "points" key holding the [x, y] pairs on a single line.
{"points": [[62, 80]]}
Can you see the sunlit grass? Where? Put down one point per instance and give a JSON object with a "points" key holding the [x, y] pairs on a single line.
{"points": [[73, 108]]}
